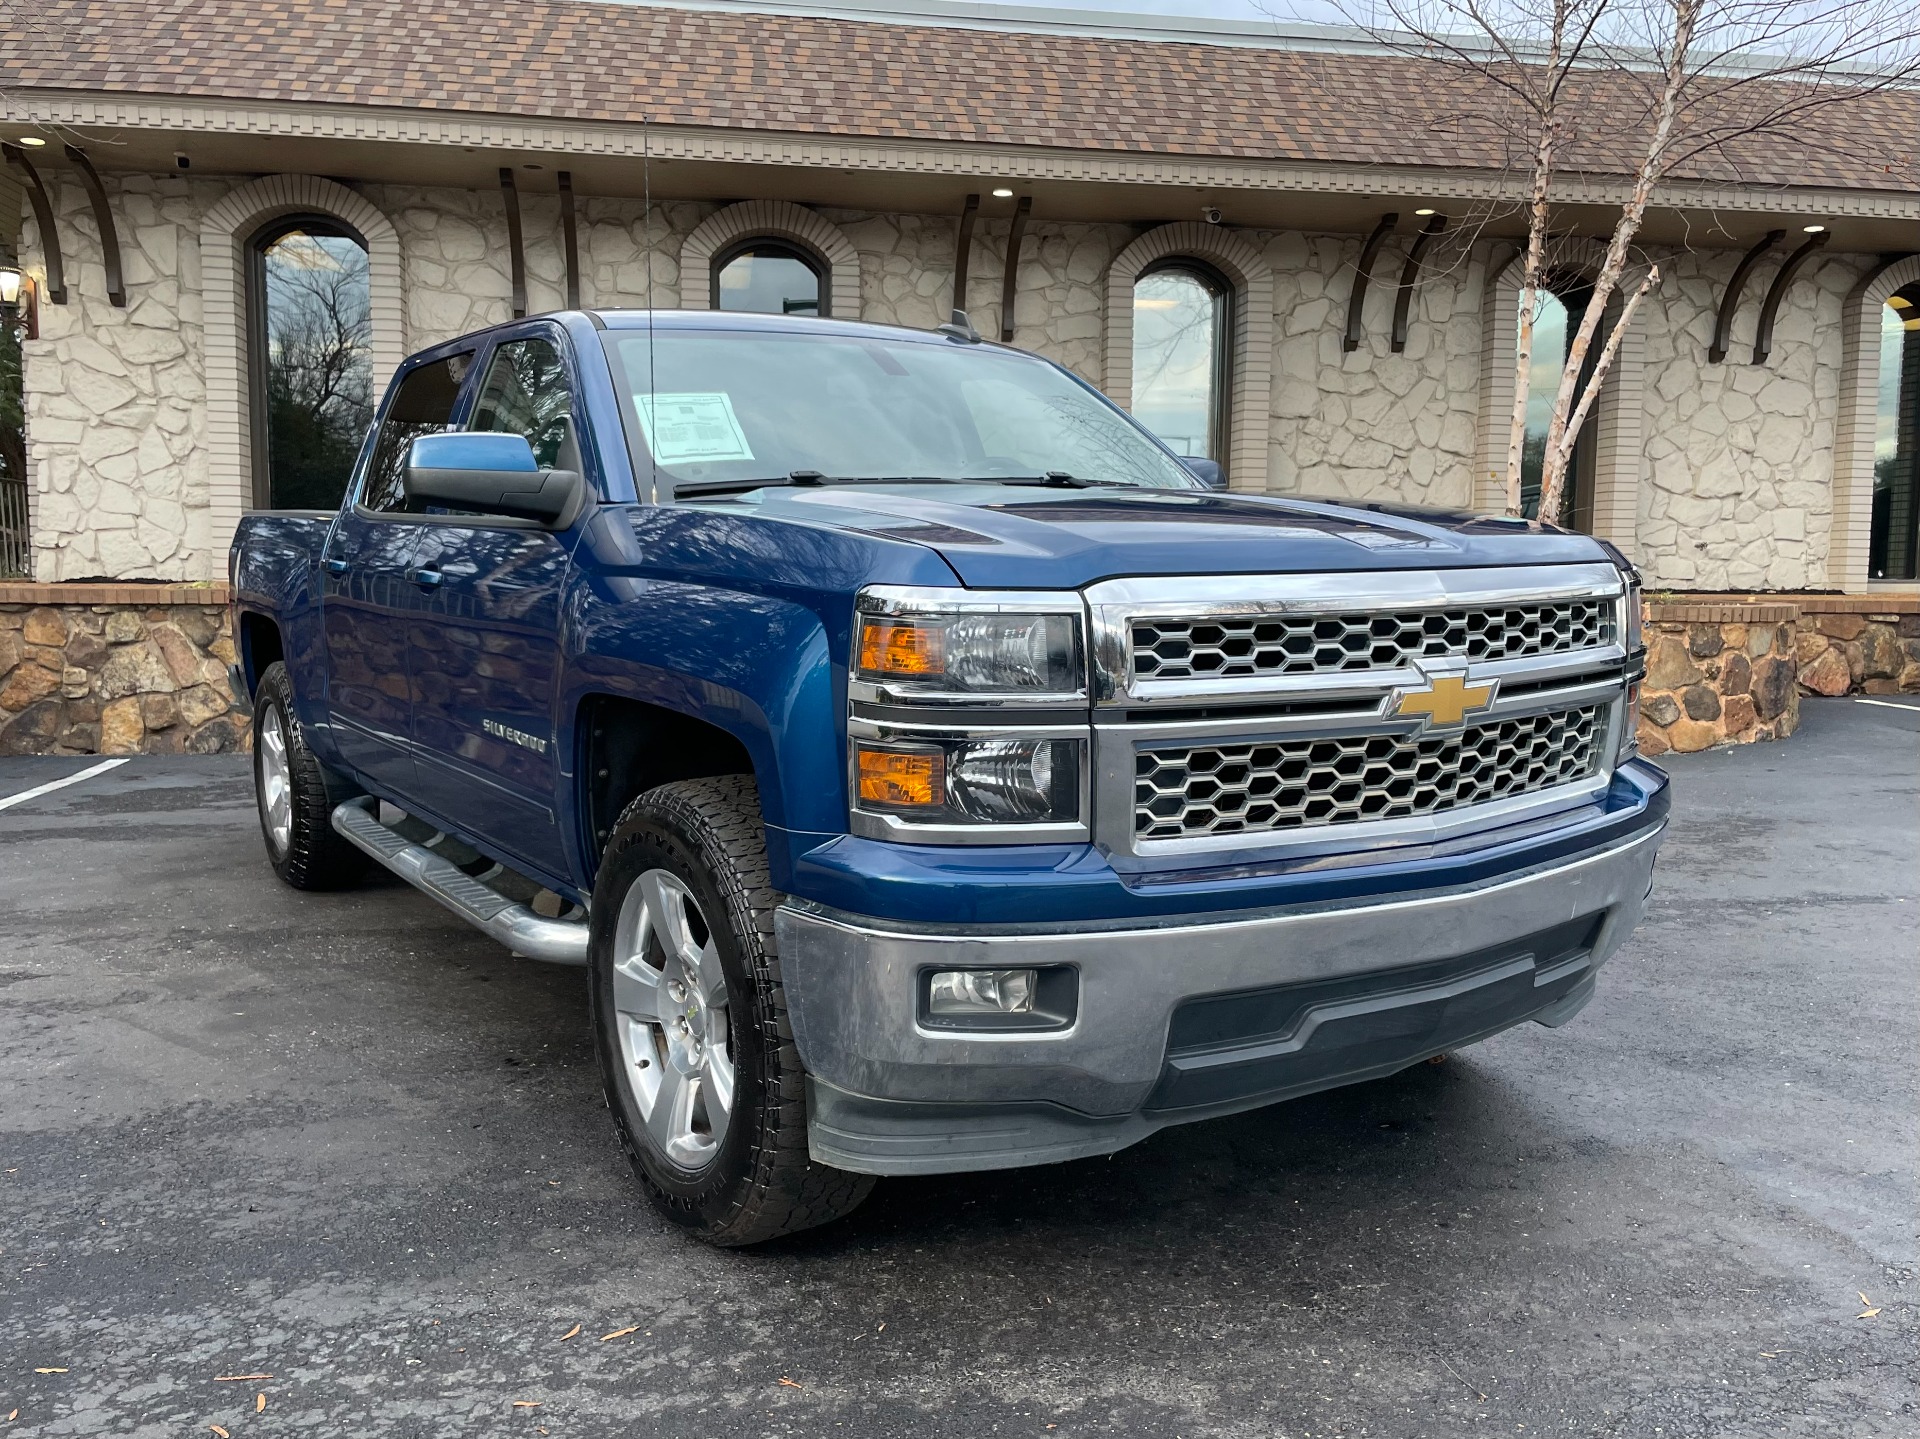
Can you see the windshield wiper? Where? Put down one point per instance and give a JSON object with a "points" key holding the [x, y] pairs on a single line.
{"points": [[807, 479], [1053, 479], [735, 487]]}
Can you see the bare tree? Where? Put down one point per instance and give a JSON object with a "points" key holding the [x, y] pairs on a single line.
{"points": [[1649, 90], [319, 371]]}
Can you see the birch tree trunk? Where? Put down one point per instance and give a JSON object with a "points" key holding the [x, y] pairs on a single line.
{"points": [[1563, 431]]}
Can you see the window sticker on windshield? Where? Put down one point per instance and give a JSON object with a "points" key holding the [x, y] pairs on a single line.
{"points": [[684, 429]]}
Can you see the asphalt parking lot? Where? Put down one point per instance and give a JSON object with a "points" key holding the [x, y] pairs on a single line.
{"points": [[346, 1143]]}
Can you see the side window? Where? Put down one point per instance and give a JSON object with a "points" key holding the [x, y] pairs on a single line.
{"points": [[423, 405], [526, 394]]}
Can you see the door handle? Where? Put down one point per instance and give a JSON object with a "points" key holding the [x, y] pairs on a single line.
{"points": [[427, 578], [337, 567]]}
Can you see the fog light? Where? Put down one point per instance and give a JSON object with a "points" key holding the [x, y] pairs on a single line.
{"points": [[982, 991]]}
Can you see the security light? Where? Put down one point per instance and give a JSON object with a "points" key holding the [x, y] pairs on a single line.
{"points": [[1427, 211], [1003, 193], [1813, 229], [31, 141]]}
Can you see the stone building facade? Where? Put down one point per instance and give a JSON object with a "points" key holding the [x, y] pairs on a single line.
{"points": [[1737, 474], [1736, 463]]}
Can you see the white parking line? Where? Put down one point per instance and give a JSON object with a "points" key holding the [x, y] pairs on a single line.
{"points": [[1887, 704], [26, 794]]}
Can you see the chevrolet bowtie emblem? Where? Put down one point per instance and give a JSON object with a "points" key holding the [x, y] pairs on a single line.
{"points": [[1446, 701]]}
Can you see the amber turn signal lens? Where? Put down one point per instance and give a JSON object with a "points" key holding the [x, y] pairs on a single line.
{"points": [[901, 647], [902, 780]]}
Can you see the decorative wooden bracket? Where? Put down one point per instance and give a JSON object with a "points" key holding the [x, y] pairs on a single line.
{"points": [[1776, 292], [1729, 302], [516, 252], [1410, 277], [961, 245], [1363, 274], [43, 218], [570, 239], [1007, 282], [103, 218]]}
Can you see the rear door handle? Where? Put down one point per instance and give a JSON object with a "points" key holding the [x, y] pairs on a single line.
{"points": [[337, 567], [427, 578]]}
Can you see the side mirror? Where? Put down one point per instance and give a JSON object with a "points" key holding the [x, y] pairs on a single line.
{"points": [[491, 474], [1207, 472]]}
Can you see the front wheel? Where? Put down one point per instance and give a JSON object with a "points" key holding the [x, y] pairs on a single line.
{"points": [[690, 1020]]}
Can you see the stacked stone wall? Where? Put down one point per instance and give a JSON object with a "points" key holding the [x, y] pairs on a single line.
{"points": [[116, 677], [1368, 423], [1717, 674], [1738, 457], [1738, 487], [1731, 669], [116, 398], [1865, 652]]}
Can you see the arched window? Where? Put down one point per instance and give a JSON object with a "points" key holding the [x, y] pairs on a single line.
{"points": [[1182, 348], [1559, 307], [311, 359], [1893, 551], [770, 277]]}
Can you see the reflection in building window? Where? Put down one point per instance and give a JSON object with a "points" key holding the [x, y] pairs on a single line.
{"points": [[1181, 315], [769, 278], [311, 357], [1559, 307], [1893, 552]]}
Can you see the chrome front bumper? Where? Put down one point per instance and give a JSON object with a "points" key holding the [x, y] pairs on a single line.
{"points": [[1344, 993]]}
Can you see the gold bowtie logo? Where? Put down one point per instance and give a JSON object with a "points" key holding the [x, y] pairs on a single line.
{"points": [[1446, 701]]}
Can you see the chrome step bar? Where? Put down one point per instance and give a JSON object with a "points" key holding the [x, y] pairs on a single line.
{"points": [[558, 941]]}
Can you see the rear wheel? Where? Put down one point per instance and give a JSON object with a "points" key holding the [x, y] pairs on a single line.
{"points": [[296, 795], [691, 1023]]}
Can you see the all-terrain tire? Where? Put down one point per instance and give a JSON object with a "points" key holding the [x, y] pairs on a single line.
{"points": [[302, 844], [759, 1182]]}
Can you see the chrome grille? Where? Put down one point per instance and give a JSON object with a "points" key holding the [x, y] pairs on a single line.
{"points": [[1254, 646], [1193, 791]]}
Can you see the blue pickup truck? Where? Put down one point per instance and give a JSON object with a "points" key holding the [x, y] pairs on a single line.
{"points": [[933, 771]]}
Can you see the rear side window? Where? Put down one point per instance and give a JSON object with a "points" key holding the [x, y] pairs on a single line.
{"points": [[423, 405], [526, 393]]}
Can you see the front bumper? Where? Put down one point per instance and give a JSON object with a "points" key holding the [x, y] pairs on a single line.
{"points": [[1179, 1021]]}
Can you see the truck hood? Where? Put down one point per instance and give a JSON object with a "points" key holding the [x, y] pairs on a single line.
{"points": [[1000, 536]]}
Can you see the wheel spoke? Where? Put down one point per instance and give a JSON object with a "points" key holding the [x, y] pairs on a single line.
{"points": [[671, 1118], [718, 1087], [704, 967], [637, 991], [666, 912]]}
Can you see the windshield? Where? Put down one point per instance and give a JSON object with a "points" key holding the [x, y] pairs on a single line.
{"points": [[738, 405]]}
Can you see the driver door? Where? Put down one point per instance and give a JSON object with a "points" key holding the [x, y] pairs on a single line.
{"points": [[484, 639]]}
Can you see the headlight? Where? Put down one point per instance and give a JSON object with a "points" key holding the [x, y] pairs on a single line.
{"points": [[969, 645], [1633, 606], [969, 782], [967, 716]]}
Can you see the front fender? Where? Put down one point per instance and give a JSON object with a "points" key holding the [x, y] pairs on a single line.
{"points": [[742, 623], [274, 561]]}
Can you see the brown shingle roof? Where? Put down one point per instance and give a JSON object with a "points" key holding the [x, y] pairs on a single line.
{"points": [[599, 62]]}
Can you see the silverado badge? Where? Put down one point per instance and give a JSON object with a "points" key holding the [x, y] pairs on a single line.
{"points": [[1445, 701]]}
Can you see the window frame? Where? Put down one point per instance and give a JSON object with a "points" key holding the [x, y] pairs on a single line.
{"points": [[263, 238], [1566, 285], [1226, 299], [1906, 438], [556, 342], [792, 249], [473, 350]]}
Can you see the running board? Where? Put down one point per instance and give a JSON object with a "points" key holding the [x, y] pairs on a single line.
{"points": [[558, 941]]}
